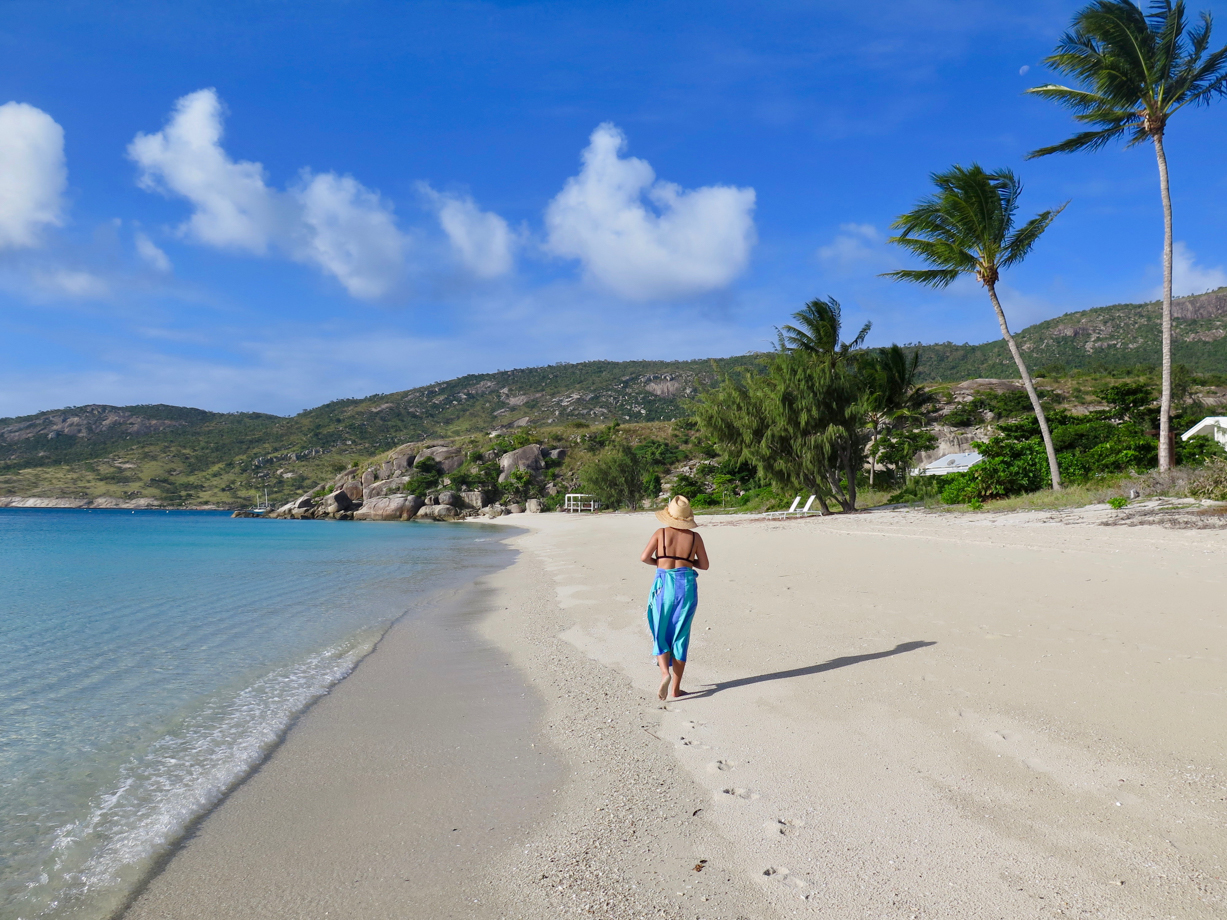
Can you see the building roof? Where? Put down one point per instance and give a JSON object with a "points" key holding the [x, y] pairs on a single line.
{"points": [[1206, 426], [951, 463]]}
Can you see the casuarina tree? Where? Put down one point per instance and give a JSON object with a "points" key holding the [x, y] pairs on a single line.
{"points": [[1135, 70], [967, 228], [801, 422]]}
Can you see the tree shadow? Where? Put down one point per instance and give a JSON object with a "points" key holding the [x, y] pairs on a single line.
{"points": [[831, 665]]}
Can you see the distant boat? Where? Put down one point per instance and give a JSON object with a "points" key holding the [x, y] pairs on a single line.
{"points": [[261, 507]]}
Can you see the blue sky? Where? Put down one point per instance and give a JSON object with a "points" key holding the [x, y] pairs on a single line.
{"points": [[267, 205]]}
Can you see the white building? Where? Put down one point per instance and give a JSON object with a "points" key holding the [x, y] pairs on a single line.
{"points": [[1215, 426], [951, 463]]}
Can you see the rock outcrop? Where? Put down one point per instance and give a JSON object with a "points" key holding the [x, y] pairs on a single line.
{"points": [[449, 458], [389, 508], [527, 458], [337, 501], [437, 513], [385, 487]]}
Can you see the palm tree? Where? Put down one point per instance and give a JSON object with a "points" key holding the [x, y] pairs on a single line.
{"points": [[894, 394], [968, 228], [821, 323], [1136, 71]]}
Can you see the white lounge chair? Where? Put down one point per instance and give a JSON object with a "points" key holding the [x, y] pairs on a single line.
{"points": [[804, 510], [793, 507]]}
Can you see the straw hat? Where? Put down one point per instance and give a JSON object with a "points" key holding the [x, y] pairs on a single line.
{"points": [[678, 514]]}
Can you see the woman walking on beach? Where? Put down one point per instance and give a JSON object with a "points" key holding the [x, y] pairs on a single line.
{"points": [[676, 551]]}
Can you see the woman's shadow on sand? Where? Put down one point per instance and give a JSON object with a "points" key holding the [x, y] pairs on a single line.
{"points": [[831, 665]]}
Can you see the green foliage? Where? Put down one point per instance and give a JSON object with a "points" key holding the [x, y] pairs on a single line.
{"points": [[964, 415], [1118, 502], [1199, 450], [899, 448], [1125, 400], [958, 488], [1210, 482], [658, 455], [615, 477], [919, 489], [801, 423], [519, 486], [688, 486], [819, 324]]}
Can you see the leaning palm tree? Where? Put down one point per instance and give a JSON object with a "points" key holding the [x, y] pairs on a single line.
{"points": [[1136, 71], [967, 228]]}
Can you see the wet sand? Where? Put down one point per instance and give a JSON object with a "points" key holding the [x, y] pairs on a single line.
{"points": [[392, 797]]}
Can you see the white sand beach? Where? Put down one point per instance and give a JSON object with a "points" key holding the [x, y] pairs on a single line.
{"points": [[901, 714]]}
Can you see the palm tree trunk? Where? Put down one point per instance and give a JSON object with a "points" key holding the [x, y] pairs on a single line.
{"points": [[1165, 400], [1030, 386]]}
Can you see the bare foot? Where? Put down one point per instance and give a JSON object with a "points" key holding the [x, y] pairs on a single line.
{"points": [[679, 692], [663, 692]]}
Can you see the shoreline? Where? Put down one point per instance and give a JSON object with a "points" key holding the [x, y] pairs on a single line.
{"points": [[431, 728]]}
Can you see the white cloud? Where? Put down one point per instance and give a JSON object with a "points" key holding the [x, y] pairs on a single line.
{"points": [[148, 250], [349, 231], [69, 282], [481, 239], [856, 247], [233, 206], [331, 221], [689, 242], [32, 174], [1190, 278]]}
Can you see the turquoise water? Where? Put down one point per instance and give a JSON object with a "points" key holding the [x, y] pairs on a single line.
{"points": [[150, 660]]}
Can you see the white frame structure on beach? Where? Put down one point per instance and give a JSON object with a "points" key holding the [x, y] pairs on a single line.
{"points": [[579, 501]]}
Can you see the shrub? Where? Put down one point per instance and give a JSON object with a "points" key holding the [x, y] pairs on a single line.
{"points": [[964, 415], [1198, 450], [1009, 468], [1118, 502], [689, 486], [958, 488], [919, 489], [1210, 482], [615, 477]]}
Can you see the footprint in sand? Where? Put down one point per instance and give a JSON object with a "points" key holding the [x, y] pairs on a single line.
{"points": [[784, 826], [739, 793], [719, 766], [784, 877]]}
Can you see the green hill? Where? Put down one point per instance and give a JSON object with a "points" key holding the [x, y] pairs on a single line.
{"points": [[1104, 338], [174, 455]]}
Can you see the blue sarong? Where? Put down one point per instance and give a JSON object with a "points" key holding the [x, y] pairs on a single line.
{"points": [[671, 606]]}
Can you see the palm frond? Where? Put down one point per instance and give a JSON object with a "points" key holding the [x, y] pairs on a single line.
{"points": [[930, 277], [1083, 140], [1020, 242], [947, 253]]}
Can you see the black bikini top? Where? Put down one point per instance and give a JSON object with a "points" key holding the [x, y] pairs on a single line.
{"points": [[689, 558]]}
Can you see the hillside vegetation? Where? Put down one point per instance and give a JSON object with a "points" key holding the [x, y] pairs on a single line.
{"points": [[1104, 338], [179, 456]]}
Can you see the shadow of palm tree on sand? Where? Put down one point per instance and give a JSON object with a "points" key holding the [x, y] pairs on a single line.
{"points": [[831, 665]]}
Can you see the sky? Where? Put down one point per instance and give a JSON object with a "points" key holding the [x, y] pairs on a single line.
{"points": [[265, 205]]}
